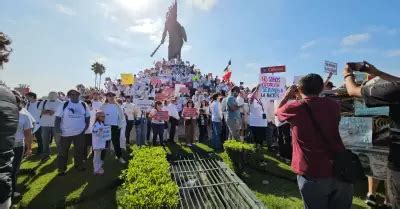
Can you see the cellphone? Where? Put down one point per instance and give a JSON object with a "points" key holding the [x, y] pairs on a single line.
{"points": [[358, 66], [264, 116]]}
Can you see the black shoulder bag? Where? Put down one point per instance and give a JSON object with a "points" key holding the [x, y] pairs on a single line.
{"points": [[346, 164]]}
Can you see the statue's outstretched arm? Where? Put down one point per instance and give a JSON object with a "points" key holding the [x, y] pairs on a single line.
{"points": [[183, 33], [164, 34]]}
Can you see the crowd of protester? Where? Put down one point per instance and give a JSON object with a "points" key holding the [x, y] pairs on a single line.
{"points": [[298, 128]]}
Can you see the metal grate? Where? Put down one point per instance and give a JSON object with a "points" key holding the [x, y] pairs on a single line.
{"points": [[208, 183]]}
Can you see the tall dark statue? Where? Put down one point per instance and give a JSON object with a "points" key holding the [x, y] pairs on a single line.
{"points": [[177, 33]]}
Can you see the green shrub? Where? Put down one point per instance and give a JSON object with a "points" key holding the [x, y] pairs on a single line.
{"points": [[148, 182], [240, 153], [239, 146]]}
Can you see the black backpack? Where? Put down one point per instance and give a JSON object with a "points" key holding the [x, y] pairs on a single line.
{"points": [[67, 102]]}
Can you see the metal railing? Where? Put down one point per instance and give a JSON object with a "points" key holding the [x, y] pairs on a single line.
{"points": [[209, 183]]}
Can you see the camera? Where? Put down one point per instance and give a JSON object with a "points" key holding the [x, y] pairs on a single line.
{"points": [[264, 116], [358, 66]]}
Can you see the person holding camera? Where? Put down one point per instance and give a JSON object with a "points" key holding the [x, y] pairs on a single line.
{"points": [[381, 94], [258, 118], [316, 140]]}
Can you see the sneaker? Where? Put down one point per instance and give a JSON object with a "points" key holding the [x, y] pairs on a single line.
{"points": [[45, 159], [371, 200], [16, 195], [61, 173], [122, 160]]}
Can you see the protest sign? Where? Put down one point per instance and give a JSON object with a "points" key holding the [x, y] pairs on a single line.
{"points": [[107, 133], [331, 67], [189, 112], [184, 90], [169, 91], [161, 115], [161, 97], [274, 69], [178, 88], [356, 131], [127, 78], [272, 87], [360, 109], [144, 105]]}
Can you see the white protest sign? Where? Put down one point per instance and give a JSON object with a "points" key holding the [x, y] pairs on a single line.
{"points": [[331, 67], [144, 105], [360, 109], [356, 131], [107, 133], [272, 87], [178, 87]]}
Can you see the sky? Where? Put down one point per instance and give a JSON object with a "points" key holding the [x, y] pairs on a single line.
{"points": [[55, 42]]}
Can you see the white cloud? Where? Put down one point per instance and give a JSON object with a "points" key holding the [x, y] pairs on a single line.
{"points": [[355, 39], [116, 41], [186, 47], [65, 10], [203, 4], [150, 27], [393, 53], [309, 44]]}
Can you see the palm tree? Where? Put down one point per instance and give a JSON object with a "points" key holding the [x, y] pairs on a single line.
{"points": [[98, 68]]}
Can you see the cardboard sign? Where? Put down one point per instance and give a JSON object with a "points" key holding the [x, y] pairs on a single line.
{"points": [[144, 105], [127, 78], [360, 109], [184, 90], [272, 87], [356, 131], [161, 115], [161, 97], [189, 112], [274, 69], [331, 67], [107, 133]]}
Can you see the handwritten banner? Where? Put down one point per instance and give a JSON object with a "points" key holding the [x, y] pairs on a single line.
{"points": [[169, 91], [189, 112], [107, 133], [360, 109], [161, 115], [274, 69], [331, 67], [144, 105], [272, 87], [356, 131]]}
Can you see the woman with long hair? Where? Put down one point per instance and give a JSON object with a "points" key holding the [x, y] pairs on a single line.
{"points": [[157, 125], [190, 123]]}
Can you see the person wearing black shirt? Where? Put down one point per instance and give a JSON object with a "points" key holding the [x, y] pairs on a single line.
{"points": [[382, 94]]}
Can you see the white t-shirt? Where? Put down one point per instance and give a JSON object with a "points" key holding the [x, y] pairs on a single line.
{"points": [[172, 111], [34, 109], [92, 119], [128, 110], [48, 120], [215, 111], [256, 114], [73, 118], [96, 105], [112, 114], [24, 123], [97, 137]]}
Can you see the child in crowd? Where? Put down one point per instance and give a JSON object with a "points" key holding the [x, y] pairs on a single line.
{"points": [[98, 143], [202, 122]]}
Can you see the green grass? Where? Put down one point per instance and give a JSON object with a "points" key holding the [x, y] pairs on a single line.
{"points": [[42, 188]]}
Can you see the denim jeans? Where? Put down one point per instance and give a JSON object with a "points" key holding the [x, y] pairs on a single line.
{"points": [[141, 131], [325, 193], [47, 132], [18, 153], [216, 138]]}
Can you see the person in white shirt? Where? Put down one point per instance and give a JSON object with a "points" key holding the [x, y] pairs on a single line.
{"points": [[33, 108], [96, 101], [23, 137], [127, 109], [241, 103], [258, 120], [88, 132], [72, 120], [173, 119], [216, 119], [116, 119], [99, 143], [47, 119]]}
